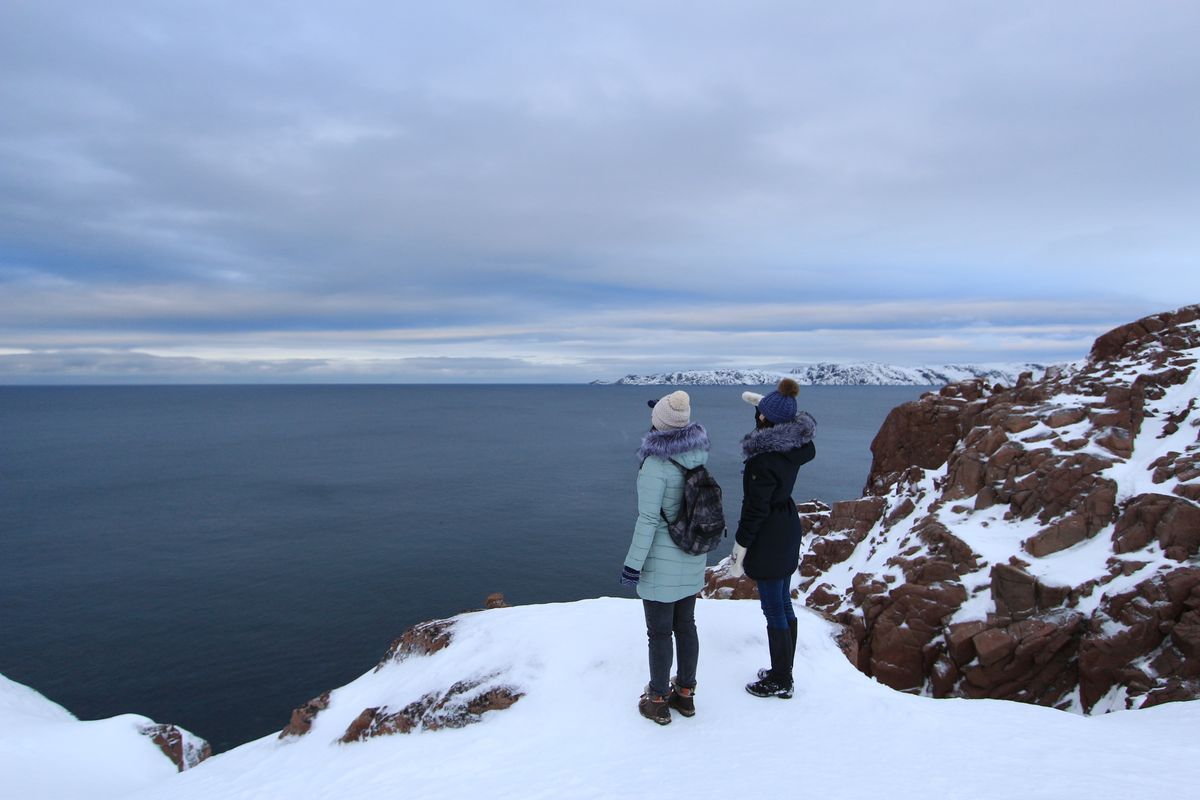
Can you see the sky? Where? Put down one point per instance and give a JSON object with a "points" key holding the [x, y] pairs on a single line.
{"points": [[545, 191]]}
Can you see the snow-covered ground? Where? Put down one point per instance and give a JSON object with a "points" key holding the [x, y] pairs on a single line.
{"points": [[576, 733], [45, 752], [833, 374]]}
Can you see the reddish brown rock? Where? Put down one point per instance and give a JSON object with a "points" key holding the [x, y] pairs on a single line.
{"points": [[1013, 591], [1065, 533], [302, 717], [495, 600], [183, 751], [1190, 491], [960, 640], [824, 552], [966, 476], [1139, 624], [1175, 690], [461, 705], [921, 433], [422, 639], [1066, 416], [992, 645], [1169, 520], [719, 584], [1127, 339], [854, 517], [946, 546]]}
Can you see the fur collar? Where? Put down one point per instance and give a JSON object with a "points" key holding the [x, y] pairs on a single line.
{"points": [[781, 438], [665, 444]]}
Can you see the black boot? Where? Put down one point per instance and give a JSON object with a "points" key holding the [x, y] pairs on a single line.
{"points": [[778, 682], [793, 626]]}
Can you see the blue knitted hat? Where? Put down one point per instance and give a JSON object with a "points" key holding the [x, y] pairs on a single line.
{"points": [[780, 405]]}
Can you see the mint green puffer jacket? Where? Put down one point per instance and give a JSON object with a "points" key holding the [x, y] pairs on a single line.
{"points": [[667, 573]]}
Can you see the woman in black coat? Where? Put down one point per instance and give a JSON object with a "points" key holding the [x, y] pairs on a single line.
{"points": [[767, 544]]}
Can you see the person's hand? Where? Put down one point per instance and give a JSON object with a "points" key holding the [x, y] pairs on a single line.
{"points": [[737, 560], [630, 576]]}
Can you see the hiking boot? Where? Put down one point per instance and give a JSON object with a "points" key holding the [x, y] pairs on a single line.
{"points": [[770, 687], [654, 708], [777, 682], [682, 700]]}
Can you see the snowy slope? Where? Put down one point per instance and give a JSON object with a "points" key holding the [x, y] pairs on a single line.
{"points": [[576, 733], [833, 374], [46, 753]]}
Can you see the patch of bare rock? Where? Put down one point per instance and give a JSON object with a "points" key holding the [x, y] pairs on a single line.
{"points": [[185, 750], [462, 703]]}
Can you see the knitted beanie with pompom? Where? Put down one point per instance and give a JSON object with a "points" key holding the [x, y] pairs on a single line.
{"points": [[672, 412], [780, 405]]}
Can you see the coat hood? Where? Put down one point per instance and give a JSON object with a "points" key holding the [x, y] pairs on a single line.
{"points": [[666, 444], [781, 438]]}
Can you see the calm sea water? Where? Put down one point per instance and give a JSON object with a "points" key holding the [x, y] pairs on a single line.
{"points": [[215, 556]]}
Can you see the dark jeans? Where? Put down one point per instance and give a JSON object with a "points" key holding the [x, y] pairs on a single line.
{"points": [[775, 596], [663, 619]]}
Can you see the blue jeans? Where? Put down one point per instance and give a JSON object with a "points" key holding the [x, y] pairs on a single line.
{"points": [[663, 620], [775, 596]]}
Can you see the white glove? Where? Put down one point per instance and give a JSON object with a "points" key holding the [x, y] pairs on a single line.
{"points": [[736, 561]]}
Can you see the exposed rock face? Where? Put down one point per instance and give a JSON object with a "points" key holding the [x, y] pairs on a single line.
{"points": [[1037, 542], [302, 717], [422, 639], [495, 600], [462, 704], [184, 749]]}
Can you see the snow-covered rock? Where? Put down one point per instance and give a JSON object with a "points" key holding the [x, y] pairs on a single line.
{"points": [[1036, 543], [835, 374], [45, 752]]}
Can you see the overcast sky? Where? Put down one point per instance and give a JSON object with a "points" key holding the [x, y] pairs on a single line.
{"points": [[483, 191]]}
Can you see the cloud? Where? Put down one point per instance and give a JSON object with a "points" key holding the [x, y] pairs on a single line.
{"points": [[555, 179]]}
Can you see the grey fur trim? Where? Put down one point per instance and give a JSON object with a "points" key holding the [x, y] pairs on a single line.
{"points": [[781, 438], [665, 444]]}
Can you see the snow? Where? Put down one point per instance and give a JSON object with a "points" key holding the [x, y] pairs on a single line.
{"points": [[1135, 476], [46, 753], [576, 732], [832, 374]]}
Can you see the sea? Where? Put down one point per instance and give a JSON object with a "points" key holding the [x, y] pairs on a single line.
{"points": [[214, 556]]}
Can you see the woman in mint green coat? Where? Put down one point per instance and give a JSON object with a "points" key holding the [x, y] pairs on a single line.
{"points": [[667, 579]]}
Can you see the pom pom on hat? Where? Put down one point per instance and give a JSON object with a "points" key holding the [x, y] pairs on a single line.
{"points": [[780, 405], [672, 411], [752, 398]]}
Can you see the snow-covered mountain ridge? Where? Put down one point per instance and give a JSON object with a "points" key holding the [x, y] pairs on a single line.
{"points": [[836, 374]]}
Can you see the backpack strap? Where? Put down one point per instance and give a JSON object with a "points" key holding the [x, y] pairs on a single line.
{"points": [[662, 513]]}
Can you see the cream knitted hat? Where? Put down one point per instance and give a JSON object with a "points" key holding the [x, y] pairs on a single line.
{"points": [[672, 412]]}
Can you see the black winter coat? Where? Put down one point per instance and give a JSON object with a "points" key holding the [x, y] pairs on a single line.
{"points": [[769, 527]]}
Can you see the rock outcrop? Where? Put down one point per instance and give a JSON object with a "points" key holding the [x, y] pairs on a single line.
{"points": [[462, 703], [184, 749], [1036, 542]]}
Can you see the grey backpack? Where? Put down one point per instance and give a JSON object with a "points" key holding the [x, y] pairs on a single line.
{"points": [[700, 524]]}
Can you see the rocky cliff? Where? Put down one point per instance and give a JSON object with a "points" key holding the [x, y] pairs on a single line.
{"points": [[1036, 542]]}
